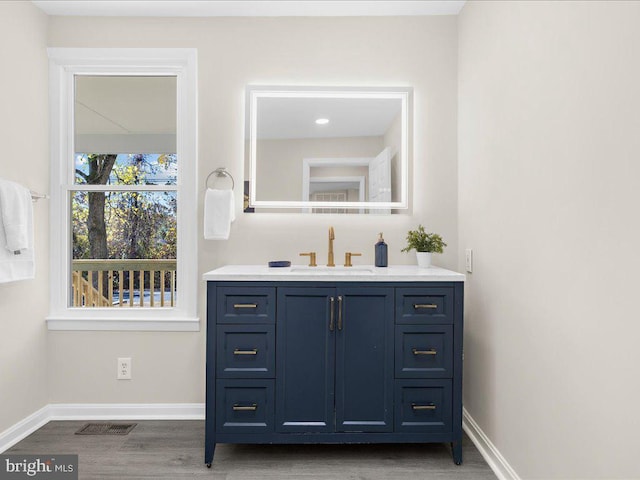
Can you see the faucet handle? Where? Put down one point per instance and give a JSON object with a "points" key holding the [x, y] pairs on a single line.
{"points": [[312, 258], [347, 258]]}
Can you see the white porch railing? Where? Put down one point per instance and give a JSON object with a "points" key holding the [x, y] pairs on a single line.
{"points": [[107, 283]]}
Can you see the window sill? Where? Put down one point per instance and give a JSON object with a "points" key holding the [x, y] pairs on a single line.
{"points": [[118, 323]]}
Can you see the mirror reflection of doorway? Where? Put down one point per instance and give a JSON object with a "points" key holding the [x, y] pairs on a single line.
{"points": [[380, 177], [336, 189], [366, 179]]}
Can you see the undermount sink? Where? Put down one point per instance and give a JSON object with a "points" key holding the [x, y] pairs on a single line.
{"points": [[337, 270]]}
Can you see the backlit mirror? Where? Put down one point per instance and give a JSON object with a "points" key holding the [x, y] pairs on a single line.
{"points": [[328, 150]]}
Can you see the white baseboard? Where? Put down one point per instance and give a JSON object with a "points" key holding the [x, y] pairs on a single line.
{"points": [[23, 428], [99, 411], [126, 411], [487, 449], [195, 411]]}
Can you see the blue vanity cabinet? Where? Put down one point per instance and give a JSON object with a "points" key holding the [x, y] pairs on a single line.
{"points": [[335, 359], [334, 362]]}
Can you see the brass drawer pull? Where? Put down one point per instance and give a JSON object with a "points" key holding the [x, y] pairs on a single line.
{"points": [[339, 312], [423, 407], [332, 314], [245, 408], [245, 305], [424, 305], [424, 352], [253, 351]]}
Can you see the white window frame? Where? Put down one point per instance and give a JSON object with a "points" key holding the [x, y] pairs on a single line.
{"points": [[64, 64]]}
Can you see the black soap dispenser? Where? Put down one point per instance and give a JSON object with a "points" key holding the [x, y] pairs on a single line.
{"points": [[381, 252]]}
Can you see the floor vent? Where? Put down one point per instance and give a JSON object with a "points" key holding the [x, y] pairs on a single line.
{"points": [[106, 429]]}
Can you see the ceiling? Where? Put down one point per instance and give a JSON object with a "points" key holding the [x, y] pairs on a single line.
{"points": [[242, 8], [289, 118]]}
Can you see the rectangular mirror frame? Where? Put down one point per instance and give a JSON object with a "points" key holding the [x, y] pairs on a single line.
{"points": [[254, 93]]}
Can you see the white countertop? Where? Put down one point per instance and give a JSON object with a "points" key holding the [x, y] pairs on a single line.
{"points": [[357, 273]]}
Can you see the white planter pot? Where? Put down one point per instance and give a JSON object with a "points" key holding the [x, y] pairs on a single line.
{"points": [[424, 259]]}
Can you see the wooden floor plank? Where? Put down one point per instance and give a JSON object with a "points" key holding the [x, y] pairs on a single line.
{"points": [[175, 450]]}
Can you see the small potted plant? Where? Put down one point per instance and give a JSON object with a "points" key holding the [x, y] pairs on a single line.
{"points": [[424, 244]]}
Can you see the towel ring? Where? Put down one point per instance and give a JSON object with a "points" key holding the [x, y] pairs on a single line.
{"points": [[220, 172]]}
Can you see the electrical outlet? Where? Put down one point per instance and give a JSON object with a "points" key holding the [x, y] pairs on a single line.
{"points": [[468, 260], [124, 368]]}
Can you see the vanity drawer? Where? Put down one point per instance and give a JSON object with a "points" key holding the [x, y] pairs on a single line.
{"points": [[423, 406], [244, 406], [424, 351], [424, 305], [246, 305], [245, 351]]}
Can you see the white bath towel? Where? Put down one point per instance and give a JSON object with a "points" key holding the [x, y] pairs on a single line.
{"points": [[219, 213], [17, 261]]}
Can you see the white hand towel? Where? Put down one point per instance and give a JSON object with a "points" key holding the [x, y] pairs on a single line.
{"points": [[219, 213], [17, 212], [16, 233]]}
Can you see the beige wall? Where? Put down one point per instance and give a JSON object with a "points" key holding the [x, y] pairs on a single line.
{"points": [[166, 367], [232, 53], [549, 104], [24, 159]]}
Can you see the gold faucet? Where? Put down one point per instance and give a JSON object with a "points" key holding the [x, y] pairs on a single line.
{"points": [[347, 258], [312, 258], [332, 237]]}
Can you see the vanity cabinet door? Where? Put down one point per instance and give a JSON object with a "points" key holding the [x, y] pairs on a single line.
{"points": [[305, 360], [364, 359]]}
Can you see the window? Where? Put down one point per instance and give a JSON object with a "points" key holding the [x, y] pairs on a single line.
{"points": [[123, 180]]}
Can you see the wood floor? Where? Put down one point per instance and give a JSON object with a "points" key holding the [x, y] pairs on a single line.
{"points": [[175, 450]]}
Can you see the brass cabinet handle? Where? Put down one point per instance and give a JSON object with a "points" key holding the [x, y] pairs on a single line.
{"points": [[332, 314], [424, 352], [424, 305], [245, 408], [339, 312], [245, 305], [423, 407], [253, 351]]}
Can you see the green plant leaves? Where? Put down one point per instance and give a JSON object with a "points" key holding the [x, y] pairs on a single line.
{"points": [[421, 241]]}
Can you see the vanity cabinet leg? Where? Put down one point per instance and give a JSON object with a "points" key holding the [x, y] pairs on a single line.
{"points": [[456, 452], [209, 449]]}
